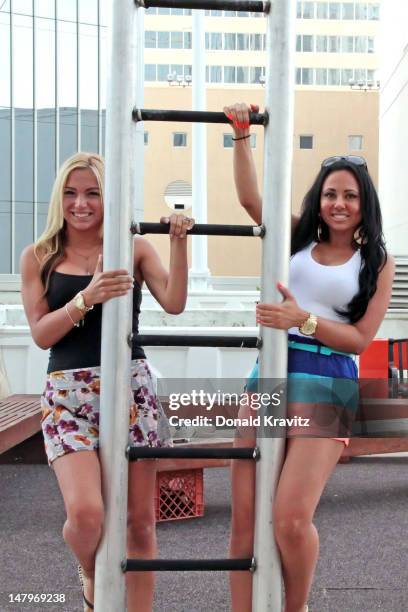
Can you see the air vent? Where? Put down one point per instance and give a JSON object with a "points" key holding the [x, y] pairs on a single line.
{"points": [[399, 297]]}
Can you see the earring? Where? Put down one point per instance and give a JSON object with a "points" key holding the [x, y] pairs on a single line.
{"points": [[358, 237], [319, 230]]}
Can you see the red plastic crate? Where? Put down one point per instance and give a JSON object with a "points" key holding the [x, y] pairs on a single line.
{"points": [[179, 495]]}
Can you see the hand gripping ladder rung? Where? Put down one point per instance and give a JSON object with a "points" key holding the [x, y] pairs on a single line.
{"points": [[124, 149]]}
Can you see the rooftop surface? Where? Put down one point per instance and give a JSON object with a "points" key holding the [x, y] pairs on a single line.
{"points": [[362, 520]]}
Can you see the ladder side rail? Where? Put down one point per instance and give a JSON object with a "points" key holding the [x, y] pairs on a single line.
{"points": [[110, 593], [279, 102], [199, 271]]}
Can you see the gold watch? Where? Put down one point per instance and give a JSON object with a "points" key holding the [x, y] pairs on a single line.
{"points": [[79, 302], [308, 328]]}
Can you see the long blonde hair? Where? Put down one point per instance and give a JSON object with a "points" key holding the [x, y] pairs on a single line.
{"points": [[50, 246]]}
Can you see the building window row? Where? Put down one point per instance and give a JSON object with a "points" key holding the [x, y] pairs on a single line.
{"points": [[308, 43], [179, 139], [167, 11], [214, 41], [254, 75], [231, 41], [333, 76], [210, 13], [167, 40], [355, 142], [338, 10]]}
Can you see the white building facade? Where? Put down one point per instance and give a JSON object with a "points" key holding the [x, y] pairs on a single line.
{"points": [[393, 154]]}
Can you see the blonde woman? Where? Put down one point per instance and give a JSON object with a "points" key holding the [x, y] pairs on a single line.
{"points": [[63, 288]]}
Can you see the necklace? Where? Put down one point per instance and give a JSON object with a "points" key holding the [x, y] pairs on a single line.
{"points": [[86, 257]]}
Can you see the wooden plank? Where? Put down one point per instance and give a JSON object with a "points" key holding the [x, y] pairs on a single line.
{"points": [[20, 418]]}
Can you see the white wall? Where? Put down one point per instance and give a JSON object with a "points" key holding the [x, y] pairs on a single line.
{"points": [[393, 154]]}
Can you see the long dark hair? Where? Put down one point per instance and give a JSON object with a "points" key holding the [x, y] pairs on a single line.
{"points": [[371, 239]]}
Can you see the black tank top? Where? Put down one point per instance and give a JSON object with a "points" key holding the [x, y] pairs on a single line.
{"points": [[81, 347]]}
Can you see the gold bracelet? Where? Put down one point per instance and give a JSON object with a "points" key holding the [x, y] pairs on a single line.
{"points": [[77, 324]]}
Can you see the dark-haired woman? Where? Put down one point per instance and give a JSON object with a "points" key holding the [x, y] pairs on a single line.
{"points": [[339, 289], [63, 289]]}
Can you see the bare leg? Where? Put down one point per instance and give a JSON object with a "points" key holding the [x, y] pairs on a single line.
{"points": [[242, 523], [79, 478], [141, 533], [308, 465]]}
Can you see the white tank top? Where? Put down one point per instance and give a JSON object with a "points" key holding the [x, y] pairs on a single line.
{"points": [[321, 289]]}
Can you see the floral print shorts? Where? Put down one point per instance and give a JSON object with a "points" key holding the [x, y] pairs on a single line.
{"points": [[70, 411]]}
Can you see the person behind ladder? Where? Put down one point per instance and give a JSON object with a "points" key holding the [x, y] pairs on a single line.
{"points": [[64, 285], [339, 290]]}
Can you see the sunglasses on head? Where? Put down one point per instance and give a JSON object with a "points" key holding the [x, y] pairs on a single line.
{"points": [[352, 159]]}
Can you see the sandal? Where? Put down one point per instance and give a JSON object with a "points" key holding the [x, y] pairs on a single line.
{"points": [[87, 604]]}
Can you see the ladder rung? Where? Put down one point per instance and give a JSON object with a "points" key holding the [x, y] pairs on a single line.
{"points": [[183, 565], [203, 229], [148, 452], [238, 5], [148, 114], [217, 341]]}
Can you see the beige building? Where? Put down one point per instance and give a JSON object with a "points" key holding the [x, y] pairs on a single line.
{"points": [[336, 44]]}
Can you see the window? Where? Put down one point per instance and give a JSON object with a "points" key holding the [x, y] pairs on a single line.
{"points": [[334, 10], [163, 71], [355, 143], [298, 10], [334, 76], [298, 43], [163, 39], [321, 76], [229, 74], [176, 69], [347, 44], [321, 44], [216, 74], [346, 76], [347, 10], [307, 76], [163, 11], [146, 137], [228, 143], [322, 10], [370, 45], [255, 73], [230, 42], [361, 10], [179, 139], [374, 12], [187, 40], [255, 42], [307, 43], [360, 74], [176, 40], [242, 42], [361, 44], [150, 72], [308, 10], [242, 74], [215, 41], [150, 39], [334, 44], [306, 142]]}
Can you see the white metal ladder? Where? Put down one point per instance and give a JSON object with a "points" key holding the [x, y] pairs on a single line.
{"points": [[124, 195]]}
